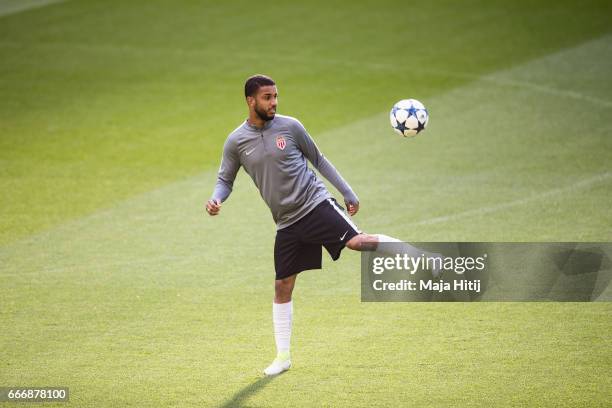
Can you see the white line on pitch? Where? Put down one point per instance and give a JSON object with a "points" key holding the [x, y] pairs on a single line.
{"points": [[494, 208], [8, 7]]}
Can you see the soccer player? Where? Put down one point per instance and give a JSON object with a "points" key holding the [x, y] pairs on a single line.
{"points": [[273, 149]]}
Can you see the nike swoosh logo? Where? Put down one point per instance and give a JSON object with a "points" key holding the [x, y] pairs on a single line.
{"points": [[342, 237], [250, 151]]}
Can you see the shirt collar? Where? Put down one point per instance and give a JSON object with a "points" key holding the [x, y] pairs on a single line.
{"points": [[255, 128]]}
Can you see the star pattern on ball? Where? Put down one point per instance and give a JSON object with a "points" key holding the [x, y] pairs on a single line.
{"points": [[409, 117]]}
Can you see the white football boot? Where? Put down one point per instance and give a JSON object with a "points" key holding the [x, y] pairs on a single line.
{"points": [[281, 363]]}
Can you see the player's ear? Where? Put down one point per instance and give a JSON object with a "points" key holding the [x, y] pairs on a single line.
{"points": [[250, 101]]}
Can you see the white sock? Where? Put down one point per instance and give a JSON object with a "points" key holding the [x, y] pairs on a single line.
{"points": [[404, 248], [282, 315], [408, 249]]}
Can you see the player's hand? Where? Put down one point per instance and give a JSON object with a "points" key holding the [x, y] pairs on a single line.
{"points": [[213, 207], [352, 208]]}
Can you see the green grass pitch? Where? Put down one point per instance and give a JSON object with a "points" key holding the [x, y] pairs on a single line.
{"points": [[114, 283]]}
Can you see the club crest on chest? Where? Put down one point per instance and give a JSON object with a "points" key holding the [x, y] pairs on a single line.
{"points": [[281, 142]]}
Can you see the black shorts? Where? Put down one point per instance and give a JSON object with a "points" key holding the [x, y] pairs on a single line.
{"points": [[298, 247]]}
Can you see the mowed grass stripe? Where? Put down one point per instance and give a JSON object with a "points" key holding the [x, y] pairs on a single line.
{"points": [[573, 188]]}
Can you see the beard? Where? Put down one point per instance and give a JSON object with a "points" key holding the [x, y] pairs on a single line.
{"points": [[263, 115]]}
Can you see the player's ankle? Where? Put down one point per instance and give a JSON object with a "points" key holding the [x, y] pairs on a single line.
{"points": [[283, 355]]}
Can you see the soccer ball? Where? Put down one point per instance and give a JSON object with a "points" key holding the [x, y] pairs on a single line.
{"points": [[409, 117]]}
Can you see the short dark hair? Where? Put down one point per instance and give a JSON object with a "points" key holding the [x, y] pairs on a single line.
{"points": [[252, 85]]}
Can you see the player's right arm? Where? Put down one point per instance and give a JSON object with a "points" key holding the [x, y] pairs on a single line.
{"points": [[230, 164]]}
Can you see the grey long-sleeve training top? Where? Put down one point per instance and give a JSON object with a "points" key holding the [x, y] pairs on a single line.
{"points": [[275, 158]]}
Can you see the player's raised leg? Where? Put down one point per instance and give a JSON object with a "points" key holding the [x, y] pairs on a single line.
{"points": [[372, 242], [282, 316]]}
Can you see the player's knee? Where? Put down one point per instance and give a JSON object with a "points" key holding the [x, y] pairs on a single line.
{"points": [[354, 243], [283, 286], [283, 289], [363, 242]]}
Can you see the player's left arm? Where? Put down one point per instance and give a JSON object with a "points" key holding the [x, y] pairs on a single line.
{"points": [[326, 168]]}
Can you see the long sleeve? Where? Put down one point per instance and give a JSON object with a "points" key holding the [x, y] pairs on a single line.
{"points": [[324, 166], [230, 164]]}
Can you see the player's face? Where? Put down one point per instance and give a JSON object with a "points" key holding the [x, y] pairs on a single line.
{"points": [[265, 102]]}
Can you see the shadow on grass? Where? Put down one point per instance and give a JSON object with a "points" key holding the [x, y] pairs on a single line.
{"points": [[241, 396]]}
